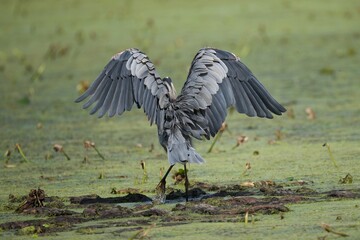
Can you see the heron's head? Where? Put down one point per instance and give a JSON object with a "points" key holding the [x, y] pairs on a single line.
{"points": [[170, 86]]}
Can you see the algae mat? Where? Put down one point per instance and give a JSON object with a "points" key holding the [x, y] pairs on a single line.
{"points": [[281, 181]]}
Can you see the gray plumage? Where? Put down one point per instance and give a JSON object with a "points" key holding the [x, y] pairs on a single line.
{"points": [[217, 80]]}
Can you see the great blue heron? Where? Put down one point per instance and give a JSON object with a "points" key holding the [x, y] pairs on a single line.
{"points": [[217, 79]]}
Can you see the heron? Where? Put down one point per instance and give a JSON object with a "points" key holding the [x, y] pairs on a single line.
{"points": [[217, 80]]}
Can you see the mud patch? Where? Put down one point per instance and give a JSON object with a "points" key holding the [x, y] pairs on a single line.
{"points": [[131, 197], [225, 204]]}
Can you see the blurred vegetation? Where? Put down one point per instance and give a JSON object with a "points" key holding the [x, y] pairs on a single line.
{"points": [[305, 52]]}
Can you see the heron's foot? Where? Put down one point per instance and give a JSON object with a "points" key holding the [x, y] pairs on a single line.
{"points": [[160, 193]]}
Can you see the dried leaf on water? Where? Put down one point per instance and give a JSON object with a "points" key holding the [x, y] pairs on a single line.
{"points": [[329, 229], [310, 113]]}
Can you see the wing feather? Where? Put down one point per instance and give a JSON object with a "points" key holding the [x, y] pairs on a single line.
{"points": [[129, 77], [217, 80], [113, 107], [108, 99], [102, 97]]}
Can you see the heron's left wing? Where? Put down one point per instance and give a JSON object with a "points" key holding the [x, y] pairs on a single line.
{"points": [[128, 78], [217, 80]]}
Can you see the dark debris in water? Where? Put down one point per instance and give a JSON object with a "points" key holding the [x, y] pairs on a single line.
{"points": [[193, 193], [34, 199], [209, 203], [344, 194], [90, 199]]}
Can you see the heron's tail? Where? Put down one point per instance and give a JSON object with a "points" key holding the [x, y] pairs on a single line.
{"points": [[179, 150]]}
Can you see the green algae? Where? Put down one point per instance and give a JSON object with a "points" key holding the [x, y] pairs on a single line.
{"points": [[306, 53]]}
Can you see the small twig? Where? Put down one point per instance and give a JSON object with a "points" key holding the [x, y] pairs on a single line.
{"points": [[330, 154], [7, 156], [100, 155], [17, 147], [224, 126], [88, 144], [145, 175], [151, 147], [246, 217], [59, 148], [143, 233], [240, 140], [247, 168], [217, 137], [67, 156], [327, 228]]}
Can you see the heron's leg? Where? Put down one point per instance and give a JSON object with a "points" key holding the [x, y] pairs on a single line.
{"points": [[160, 188], [186, 184], [163, 180]]}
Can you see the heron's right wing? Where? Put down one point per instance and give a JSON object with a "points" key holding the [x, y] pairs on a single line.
{"points": [[217, 80], [129, 77]]}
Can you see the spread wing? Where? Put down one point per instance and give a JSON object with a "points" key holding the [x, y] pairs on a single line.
{"points": [[128, 78], [217, 80]]}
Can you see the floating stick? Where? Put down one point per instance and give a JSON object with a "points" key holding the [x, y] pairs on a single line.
{"points": [[18, 148]]}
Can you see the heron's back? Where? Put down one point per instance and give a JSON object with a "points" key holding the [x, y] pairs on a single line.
{"points": [[179, 125]]}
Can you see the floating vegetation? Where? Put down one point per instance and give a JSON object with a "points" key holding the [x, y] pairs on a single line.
{"points": [[330, 229], [327, 71], [310, 113], [247, 169], [80, 37], [145, 176], [246, 217], [349, 52], [125, 191], [290, 113], [151, 149], [179, 175], [279, 135], [39, 72], [256, 153], [18, 149], [59, 148], [241, 140], [348, 179], [217, 137], [88, 144], [26, 99], [7, 156], [18, 55], [57, 50], [143, 233], [330, 154], [322, 75], [48, 156], [82, 86]]}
